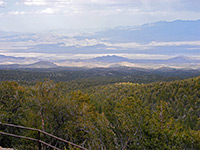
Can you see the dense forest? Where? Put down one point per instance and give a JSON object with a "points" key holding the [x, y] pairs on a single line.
{"points": [[148, 110], [99, 76]]}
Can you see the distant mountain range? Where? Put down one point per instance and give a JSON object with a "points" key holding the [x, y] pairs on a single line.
{"points": [[117, 59], [179, 30], [40, 64], [107, 61], [10, 57], [179, 38]]}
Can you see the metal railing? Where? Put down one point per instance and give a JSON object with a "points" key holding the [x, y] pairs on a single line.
{"points": [[38, 140]]}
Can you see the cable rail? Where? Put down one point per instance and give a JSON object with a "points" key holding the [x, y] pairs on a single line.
{"points": [[38, 140]]}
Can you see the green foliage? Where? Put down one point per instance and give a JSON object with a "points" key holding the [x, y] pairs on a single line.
{"points": [[126, 116], [12, 97]]}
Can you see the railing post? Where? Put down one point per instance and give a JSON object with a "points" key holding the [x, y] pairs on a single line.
{"points": [[45, 147], [39, 144]]}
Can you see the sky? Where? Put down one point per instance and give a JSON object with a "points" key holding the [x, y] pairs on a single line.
{"points": [[44, 15]]}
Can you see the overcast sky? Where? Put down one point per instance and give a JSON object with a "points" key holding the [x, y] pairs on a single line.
{"points": [[41, 15]]}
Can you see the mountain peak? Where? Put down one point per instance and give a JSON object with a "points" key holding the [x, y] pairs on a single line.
{"points": [[110, 59], [181, 59], [43, 64]]}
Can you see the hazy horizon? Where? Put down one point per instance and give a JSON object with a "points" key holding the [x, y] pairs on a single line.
{"points": [[77, 29]]}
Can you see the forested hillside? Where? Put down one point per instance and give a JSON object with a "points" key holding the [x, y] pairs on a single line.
{"points": [[97, 76], [124, 115]]}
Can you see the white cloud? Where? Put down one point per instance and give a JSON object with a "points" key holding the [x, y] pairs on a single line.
{"points": [[127, 45], [2, 3], [81, 14], [35, 2], [153, 44], [100, 7], [17, 13], [181, 43], [49, 11], [53, 39], [141, 10], [76, 2], [45, 2]]}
